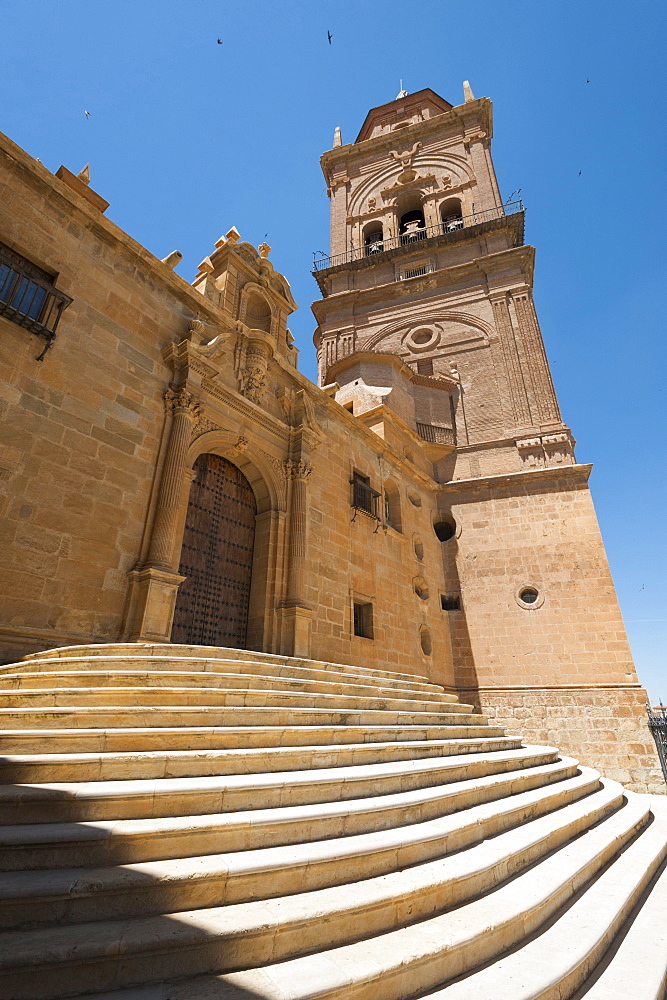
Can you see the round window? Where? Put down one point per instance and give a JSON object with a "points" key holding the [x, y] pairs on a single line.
{"points": [[529, 598], [445, 528], [421, 336]]}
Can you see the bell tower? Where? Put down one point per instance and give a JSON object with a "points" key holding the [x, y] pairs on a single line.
{"points": [[427, 310], [428, 263]]}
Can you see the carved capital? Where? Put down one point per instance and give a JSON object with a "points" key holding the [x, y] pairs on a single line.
{"points": [[297, 470], [182, 401]]}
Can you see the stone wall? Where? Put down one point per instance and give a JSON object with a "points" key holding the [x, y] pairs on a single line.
{"points": [[603, 726]]}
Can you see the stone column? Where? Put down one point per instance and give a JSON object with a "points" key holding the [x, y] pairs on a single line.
{"points": [[298, 473], [295, 612], [184, 410], [154, 586]]}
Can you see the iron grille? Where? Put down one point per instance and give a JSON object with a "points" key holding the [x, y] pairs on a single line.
{"points": [[28, 298], [447, 227], [415, 272], [435, 434], [364, 498], [657, 723]]}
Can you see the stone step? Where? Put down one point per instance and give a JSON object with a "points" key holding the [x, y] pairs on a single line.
{"points": [[217, 737], [39, 768], [133, 651], [397, 841], [112, 716], [114, 842], [172, 674], [565, 955], [637, 968], [49, 963], [162, 696], [90, 801]]}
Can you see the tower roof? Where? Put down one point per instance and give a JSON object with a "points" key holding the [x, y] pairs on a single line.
{"points": [[426, 102]]}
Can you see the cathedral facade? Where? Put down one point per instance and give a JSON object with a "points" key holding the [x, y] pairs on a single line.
{"points": [[169, 475]]}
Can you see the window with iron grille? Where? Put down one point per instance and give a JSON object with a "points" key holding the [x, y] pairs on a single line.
{"points": [[415, 272], [363, 620], [364, 498], [28, 296]]}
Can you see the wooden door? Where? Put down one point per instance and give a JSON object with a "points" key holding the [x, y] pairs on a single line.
{"points": [[216, 557]]}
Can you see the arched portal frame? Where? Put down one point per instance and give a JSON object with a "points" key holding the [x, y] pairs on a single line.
{"points": [[270, 527]]}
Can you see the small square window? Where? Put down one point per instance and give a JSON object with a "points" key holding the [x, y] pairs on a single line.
{"points": [[450, 602], [363, 620]]}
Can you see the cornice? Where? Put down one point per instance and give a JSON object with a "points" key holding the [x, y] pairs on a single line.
{"points": [[479, 269], [108, 231], [389, 358], [575, 473]]}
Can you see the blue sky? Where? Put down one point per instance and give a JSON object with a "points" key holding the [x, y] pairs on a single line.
{"points": [[187, 137]]}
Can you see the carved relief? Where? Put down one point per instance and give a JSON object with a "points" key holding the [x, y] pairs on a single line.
{"points": [[254, 372], [405, 161]]}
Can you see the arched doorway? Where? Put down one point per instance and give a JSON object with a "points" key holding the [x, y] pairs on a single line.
{"points": [[216, 557]]}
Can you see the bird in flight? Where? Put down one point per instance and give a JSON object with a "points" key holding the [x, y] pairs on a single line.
{"points": [[580, 173], [220, 41], [87, 114], [329, 36], [587, 80]]}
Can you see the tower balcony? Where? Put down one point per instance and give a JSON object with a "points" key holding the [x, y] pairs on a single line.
{"points": [[448, 231]]}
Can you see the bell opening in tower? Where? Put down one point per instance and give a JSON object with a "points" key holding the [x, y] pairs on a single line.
{"points": [[412, 226]]}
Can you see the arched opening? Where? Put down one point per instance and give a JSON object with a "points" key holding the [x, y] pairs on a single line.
{"points": [[444, 526], [392, 505], [373, 238], [258, 313], [411, 225], [451, 215], [216, 557]]}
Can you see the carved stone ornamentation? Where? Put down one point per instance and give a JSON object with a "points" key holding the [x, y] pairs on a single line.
{"points": [[405, 161], [181, 400], [254, 371], [195, 329], [297, 470]]}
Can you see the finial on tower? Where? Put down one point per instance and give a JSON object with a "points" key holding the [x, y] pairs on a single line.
{"points": [[467, 92], [338, 138], [401, 93]]}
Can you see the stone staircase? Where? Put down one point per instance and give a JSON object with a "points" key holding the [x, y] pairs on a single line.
{"points": [[192, 823]]}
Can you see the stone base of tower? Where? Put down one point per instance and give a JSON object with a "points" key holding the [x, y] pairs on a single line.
{"points": [[603, 727]]}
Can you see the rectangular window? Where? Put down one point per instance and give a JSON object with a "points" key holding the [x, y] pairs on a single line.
{"points": [[28, 296], [425, 366], [415, 272], [363, 620], [450, 602], [364, 497]]}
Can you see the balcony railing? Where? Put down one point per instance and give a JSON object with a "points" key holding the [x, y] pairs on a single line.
{"points": [[28, 299], [435, 434], [444, 228], [364, 498]]}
